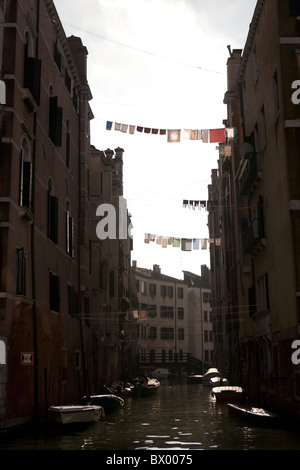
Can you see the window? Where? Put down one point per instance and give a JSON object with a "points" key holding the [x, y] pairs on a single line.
{"points": [[52, 217], [206, 336], [25, 178], [152, 332], [144, 287], [263, 125], [262, 289], [167, 333], [55, 121], [170, 291], [245, 99], [180, 292], [205, 316], [87, 311], [21, 272], [163, 291], [275, 92], [54, 292], [294, 8], [180, 313], [58, 59], [181, 334], [70, 245], [103, 274], [2, 352], [206, 297], [166, 312], [71, 302], [32, 73], [77, 360], [255, 64], [68, 82], [68, 144], [111, 283], [152, 289], [151, 311]]}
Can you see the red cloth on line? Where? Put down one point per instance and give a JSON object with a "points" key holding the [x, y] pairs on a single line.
{"points": [[217, 135]]}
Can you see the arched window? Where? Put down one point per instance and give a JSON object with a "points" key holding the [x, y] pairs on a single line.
{"points": [[68, 142], [52, 214], [32, 69], [55, 120], [2, 352], [70, 244], [25, 176]]}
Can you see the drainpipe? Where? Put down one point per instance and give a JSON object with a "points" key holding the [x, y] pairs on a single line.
{"points": [[79, 257], [33, 273]]}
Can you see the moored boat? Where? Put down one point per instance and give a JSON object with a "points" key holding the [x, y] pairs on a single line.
{"points": [[227, 393], [195, 379], [122, 389], [70, 414], [210, 374], [108, 401], [254, 415], [218, 381], [144, 386]]}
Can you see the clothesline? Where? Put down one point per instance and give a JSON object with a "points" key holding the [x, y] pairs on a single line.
{"points": [[186, 244], [221, 135]]}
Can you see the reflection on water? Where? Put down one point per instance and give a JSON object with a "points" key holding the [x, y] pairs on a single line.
{"points": [[179, 416]]}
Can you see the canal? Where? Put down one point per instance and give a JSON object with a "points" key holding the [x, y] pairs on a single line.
{"points": [[180, 417]]}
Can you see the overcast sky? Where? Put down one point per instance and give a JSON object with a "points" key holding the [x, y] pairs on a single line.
{"points": [[160, 64]]}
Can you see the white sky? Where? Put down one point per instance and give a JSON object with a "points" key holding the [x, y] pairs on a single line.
{"points": [[160, 64]]}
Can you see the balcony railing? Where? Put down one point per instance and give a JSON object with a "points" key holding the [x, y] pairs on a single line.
{"points": [[254, 237], [250, 172]]}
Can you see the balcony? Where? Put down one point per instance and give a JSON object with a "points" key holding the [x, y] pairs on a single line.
{"points": [[254, 238], [250, 172]]}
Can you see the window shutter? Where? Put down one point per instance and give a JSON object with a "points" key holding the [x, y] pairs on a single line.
{"points": [[68, 140], [54, 292], [52, 218], [21, 272], [32, 77], [55, 121], [27, 185]]}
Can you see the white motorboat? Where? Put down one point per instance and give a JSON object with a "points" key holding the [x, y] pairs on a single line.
{"points": [[68, 414], [227, 393]]}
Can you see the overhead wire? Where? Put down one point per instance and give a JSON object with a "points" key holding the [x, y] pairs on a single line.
{"points": [[137, 49]]}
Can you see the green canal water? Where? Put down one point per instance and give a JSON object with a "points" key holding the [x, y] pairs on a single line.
{"points": [[180, 417]]}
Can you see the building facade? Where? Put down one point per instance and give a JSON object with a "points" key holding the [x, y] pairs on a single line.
{"points": [[174, 322], [258, 185], [110, 266], [63, 307]]}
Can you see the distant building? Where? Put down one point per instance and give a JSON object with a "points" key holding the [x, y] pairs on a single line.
{"points": [[174, 319], [255, 200], [110, 268]]}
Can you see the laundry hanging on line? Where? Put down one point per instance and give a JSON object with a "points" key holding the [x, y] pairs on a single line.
{"points": [[222, 135], [186, 244], [195, 204]]}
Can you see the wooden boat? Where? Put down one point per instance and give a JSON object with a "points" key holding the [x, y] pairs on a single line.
{"points": [[254, 415], [227, 393], [195, 379], [144, 386], [108, 401], [122, 389], [70, 414], [218, 381]]}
